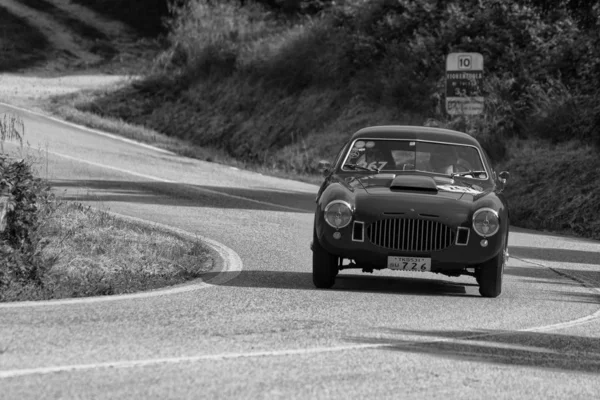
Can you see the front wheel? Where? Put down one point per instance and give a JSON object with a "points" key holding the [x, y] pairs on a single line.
{"points": [[325, 266], [490, 275]]}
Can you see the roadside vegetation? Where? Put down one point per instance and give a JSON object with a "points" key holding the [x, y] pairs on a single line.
{"points": [[281, 84], [21, 45], [51, 248], [147, 17]]}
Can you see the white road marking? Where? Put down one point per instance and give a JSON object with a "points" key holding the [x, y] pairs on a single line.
{"points": [[177, 360], [86, 129], [158, 179], [231, 257], [317, 350], [231, 266], [566, 324]]}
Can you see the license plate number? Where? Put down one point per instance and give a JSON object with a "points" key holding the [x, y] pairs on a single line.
{"points": [[409, 263]]}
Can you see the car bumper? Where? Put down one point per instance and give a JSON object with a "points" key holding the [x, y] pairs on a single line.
{"points": [[369, 255]]}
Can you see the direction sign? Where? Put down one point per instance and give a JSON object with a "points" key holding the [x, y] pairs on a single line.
{"points": [[464, 83]]}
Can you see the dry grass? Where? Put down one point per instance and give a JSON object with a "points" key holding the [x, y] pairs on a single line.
{"points": [[95, 253]]}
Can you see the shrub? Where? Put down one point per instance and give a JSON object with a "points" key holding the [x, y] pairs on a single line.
{"points": [[29, 199]]}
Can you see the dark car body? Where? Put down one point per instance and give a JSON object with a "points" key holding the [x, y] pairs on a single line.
{"points": [[412, 213]]}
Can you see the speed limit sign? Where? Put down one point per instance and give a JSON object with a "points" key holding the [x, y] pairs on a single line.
{"points": [[464, 61], [464, 83]]}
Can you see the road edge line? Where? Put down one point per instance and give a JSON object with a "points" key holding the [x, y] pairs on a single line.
{"points": [[229, 266], [86, 129]]}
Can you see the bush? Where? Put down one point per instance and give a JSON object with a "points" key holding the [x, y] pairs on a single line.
{"points": [[28, 201], [21, 243], [240, 77]]}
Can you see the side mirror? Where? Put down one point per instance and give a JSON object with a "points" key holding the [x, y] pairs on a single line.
{"points": [[324, 167], [503, 176]]}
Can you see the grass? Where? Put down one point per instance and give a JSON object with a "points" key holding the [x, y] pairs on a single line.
{"points": [[145, 16], [94, 253], [69, 107], [554, 187], [86, 31], [21, 45], [52, 249]]}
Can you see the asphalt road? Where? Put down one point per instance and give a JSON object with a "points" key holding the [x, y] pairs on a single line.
{"points": [[259, 329]]}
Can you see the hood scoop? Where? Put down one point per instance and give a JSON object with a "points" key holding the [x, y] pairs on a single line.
{"points": [[414, 183]]}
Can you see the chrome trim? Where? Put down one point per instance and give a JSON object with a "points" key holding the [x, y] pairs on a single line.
{"points": [[458, 235], [362, 229], [480, 211], [411, 234]]}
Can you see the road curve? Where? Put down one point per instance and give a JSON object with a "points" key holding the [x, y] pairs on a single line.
{"points": [[265, 331]]}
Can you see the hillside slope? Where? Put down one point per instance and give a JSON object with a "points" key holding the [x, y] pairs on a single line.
{"points": [[282, 90], [62, 36], [285, 93]]}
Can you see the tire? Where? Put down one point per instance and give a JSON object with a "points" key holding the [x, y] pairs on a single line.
{"points": [[325, 266], [490, 275]]}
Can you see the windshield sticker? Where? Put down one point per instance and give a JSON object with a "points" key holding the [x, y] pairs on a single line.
{"points": [[354, 154], [370, 145], [374, 166], [458, 189], [359, 145], [412, 144]]}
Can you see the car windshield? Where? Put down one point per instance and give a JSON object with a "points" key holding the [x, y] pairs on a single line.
{"points": [[413, 155]]}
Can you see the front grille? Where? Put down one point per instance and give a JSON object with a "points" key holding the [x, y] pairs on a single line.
{"points": [[406, 234]]}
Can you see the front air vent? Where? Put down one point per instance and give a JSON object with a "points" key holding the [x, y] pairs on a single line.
{"points": [[462, 236], [424, 184], [414, 235], [358, 231]]}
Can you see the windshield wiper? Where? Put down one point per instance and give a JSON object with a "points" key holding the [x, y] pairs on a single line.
{"points": [[360, 167], [464, 173]]}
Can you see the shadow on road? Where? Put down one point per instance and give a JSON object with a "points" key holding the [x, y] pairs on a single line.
{"points": [[528, 349], [351, 283], [184, 195], [563, 277], [588, 298], [556, 255]]}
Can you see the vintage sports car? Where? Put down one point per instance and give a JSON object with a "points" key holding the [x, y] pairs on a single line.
{"points": [[412, 198]]}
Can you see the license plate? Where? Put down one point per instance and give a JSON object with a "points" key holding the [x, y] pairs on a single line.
{"points": [[409, 263]]}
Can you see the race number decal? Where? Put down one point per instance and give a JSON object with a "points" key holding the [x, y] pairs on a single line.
{"points": [[375, 165]]}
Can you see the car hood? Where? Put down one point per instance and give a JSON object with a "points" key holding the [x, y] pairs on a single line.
{"points": [[419, 190]]}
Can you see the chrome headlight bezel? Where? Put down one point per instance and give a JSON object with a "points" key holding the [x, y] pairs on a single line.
{"points": [[494, 213], [343, 203]]}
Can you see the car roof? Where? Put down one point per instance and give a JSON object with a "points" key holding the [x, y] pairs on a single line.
{"points": [[415, 133]]}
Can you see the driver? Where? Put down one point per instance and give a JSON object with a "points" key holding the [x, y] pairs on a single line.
{"points": [[443, 159], [377, 157]]}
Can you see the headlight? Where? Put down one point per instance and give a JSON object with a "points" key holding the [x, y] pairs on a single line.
{"points": [[486, 222], [338, 214]]}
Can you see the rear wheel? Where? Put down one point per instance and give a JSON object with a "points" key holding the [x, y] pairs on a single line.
{"points": [[325, 266], [490, 275]]}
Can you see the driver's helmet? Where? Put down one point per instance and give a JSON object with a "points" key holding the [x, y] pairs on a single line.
{"points": [[442, 156]]}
